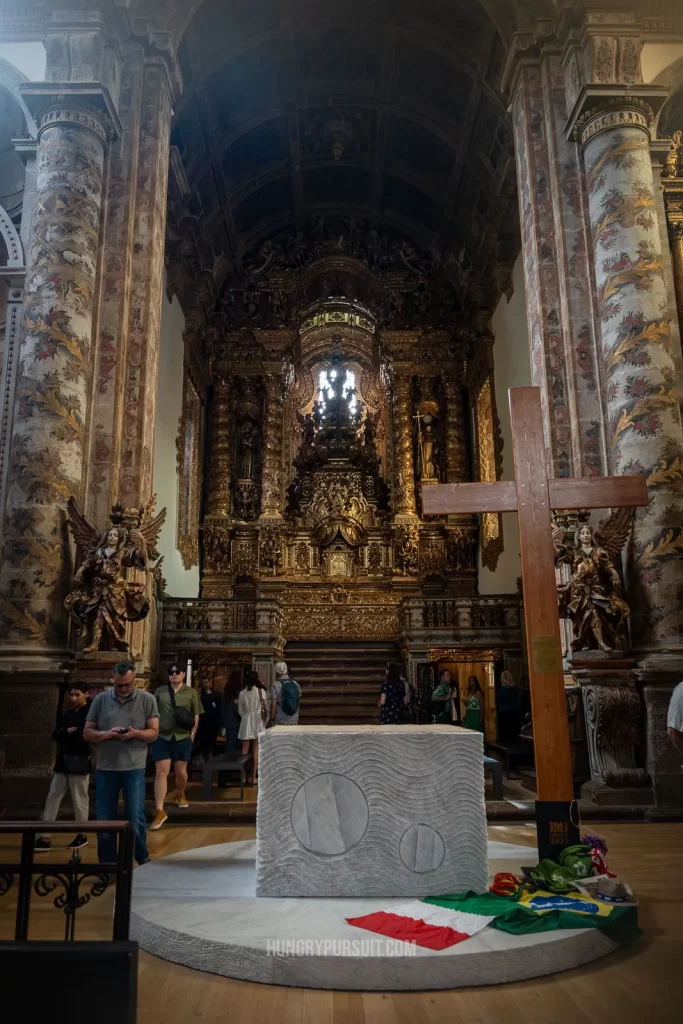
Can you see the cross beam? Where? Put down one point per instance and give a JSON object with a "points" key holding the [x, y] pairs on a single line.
{"points": [[533, 496]]}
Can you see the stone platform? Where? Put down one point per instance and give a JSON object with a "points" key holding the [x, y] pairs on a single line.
{"points": [[199, 908], [370, 811]]}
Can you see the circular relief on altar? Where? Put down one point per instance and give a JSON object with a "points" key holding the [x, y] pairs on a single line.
{"points": [[422, 848], [329, 814]]}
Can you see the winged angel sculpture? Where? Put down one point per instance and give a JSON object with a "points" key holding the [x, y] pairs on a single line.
{"points": [[592, 598], [103, 597]]}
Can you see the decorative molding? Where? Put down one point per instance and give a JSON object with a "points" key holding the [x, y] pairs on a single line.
{"points": [[86, 105], [488, 447], [601, 107]]}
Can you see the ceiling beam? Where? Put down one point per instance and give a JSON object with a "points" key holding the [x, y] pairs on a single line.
{"points": [[289, 88], [386, 79], [486, 45]]}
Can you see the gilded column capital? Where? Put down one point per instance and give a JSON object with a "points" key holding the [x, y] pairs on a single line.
{"points": [[85, 105], [605, 107]]}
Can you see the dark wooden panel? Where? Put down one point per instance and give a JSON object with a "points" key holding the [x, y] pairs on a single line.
{"points": [[480, 497], [542, 620], [598, 492]]}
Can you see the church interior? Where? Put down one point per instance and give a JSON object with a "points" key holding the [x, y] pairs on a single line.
{"points": [[269, 271]]}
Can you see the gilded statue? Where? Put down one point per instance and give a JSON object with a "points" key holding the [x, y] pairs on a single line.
{"points": [[103, 599], [592, 597]]}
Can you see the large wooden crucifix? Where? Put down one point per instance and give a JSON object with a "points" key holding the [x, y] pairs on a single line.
{"points": [[533, 496]]}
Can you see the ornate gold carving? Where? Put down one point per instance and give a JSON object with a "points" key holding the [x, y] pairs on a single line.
{"points": [[339, 506], [456, 446], [486, 428], [217, 548], [218, 498], [461, 550], [672, 182], [271, 488], [432, 556], [109, 588], [407, 548], [404, 474], [190, 471], [302, 556], [673, 164], [270, 548], [311, 613], [464, 654]]}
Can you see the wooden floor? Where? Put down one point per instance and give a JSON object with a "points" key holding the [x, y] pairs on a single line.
{"points": [[637, 985]]}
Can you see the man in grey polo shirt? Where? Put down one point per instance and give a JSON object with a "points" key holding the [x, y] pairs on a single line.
{"points": [[122, 721]]}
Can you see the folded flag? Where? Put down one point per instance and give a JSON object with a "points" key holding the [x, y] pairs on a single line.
{"points": [[440, 922], [433, 927]]}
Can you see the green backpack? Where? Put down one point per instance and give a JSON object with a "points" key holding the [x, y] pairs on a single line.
{"points": [[290, 697]]}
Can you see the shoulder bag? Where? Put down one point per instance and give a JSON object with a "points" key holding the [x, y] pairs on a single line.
{"points": [[183, 717]]}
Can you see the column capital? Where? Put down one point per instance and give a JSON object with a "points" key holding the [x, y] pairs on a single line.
{"points": [[602, 107], [85, 105]]}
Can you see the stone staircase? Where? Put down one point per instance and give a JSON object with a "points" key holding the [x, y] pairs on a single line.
{"points": [[340, 682]]}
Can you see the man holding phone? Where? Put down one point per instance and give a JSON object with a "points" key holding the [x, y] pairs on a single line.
{"points": [[122, 721]]}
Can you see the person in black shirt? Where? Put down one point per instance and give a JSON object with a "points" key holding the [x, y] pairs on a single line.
{"points": [[210, 721], [72, 767]]}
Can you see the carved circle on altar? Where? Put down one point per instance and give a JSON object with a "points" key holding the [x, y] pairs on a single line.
{"points": [[344, 822], [422, 848]]}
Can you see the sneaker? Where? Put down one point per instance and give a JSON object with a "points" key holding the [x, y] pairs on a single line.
{"points": [[147, 860], [181, 800], [159, 818], [42, 846], [78, 842]]}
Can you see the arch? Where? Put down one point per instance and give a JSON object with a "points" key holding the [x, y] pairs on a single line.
{"points": [[11, 78], [10, 236], [500, 12]]}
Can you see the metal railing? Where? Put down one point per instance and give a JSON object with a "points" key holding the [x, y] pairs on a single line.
{"points": [[66, 878]]}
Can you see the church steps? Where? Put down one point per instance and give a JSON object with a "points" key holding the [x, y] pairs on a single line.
{"points": [[340, 682]]}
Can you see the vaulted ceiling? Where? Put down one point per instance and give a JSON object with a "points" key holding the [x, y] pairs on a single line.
{"points": [[385, 111]]}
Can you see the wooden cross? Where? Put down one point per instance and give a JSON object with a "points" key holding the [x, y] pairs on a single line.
{"points": [[533, 496]]}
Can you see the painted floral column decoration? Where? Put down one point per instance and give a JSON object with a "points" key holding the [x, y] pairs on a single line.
{"points": [[271, 487], [218, 497], [639, 378], [54, 365], [404, 472]]}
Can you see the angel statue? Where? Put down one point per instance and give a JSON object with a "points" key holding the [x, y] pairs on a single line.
{"points": [[592, 598], [103, 599]]}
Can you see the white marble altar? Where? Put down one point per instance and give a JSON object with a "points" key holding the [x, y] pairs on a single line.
{"points": [[370, 811], [199, 908]]}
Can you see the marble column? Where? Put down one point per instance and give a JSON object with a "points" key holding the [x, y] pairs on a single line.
{"points": [[560, 293], [404, 468], [456, 445], [219, 461], [271, 479], [639, 378], [54, 364]]}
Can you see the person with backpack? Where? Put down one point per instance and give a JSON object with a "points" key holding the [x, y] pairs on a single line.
{"points": [[179, 710], [285, 697]]}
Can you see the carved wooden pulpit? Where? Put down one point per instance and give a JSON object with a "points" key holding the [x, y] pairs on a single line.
{"points": [[533, 496]]}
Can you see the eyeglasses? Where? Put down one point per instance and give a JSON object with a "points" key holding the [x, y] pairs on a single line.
{"points": [[175, 672]]}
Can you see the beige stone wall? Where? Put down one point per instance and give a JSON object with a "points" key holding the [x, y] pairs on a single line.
{"points": [[511, 369], [180, 582]]}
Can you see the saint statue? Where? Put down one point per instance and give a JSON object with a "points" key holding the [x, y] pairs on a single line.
{"points": [[428, 445], [247, 451], [592, 598], [103, 599]]}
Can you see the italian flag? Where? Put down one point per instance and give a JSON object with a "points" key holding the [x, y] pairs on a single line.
{"points": [[443, 921], [425, 925]]}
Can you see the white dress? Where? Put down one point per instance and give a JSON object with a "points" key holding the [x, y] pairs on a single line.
{"points": [[249, 707]]}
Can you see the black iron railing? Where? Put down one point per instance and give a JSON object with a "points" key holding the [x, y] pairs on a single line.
{"points": [[70, 879]]}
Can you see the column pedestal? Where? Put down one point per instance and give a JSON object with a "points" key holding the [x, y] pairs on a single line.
{"points": [[613, 714]]}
